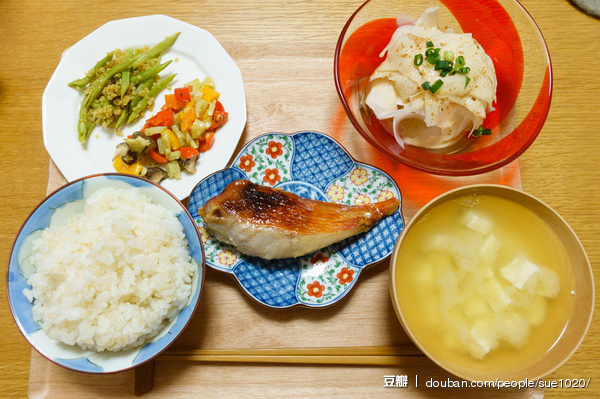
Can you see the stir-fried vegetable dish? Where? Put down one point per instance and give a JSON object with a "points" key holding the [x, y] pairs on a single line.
{"points": [[171, 141]]}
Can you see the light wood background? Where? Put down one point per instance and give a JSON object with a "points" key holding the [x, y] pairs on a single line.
{"points": [[276, 37]]}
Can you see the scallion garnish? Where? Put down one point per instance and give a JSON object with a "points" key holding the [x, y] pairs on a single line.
{"points": [[458, 65], [443, 66], [480, 131], [436, 86], [447, 65], [432, 56], [432, 59], [418, 59]]}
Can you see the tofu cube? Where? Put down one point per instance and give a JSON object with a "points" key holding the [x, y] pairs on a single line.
{"points": [[519, 271], [495, 295], [485, 338], [536, 313], [476, 223], [548, 283], [437, 242], [514, 329], [489, 250]]}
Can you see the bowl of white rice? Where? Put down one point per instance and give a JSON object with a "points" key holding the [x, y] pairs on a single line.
{"points": [[105, 273]]}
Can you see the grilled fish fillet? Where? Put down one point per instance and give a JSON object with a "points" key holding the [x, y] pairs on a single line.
{"points": [[273, 224]]}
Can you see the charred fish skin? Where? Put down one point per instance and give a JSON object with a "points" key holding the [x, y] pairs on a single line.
{"points": [[274, 224]]}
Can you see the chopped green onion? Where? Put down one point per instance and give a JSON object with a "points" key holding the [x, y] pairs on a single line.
{"points": [[418, 59], [443, 66], [436, 86], [432, 59], [448, 55], [432, 55], [467, 80], [425, 85], [443, 74], [459, 66], [480, 131], [429, 44]]}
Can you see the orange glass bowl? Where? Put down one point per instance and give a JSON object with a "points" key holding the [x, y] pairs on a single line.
{"points": [[509, 36]]}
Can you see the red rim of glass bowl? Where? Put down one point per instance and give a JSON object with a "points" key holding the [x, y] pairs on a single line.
{"points": [[448, 172]]}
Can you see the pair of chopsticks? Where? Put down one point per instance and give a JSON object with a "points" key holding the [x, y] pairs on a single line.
{"points": [[374, 356]]}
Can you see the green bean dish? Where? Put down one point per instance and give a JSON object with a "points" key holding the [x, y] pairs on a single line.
{"points": [[121, 86]]}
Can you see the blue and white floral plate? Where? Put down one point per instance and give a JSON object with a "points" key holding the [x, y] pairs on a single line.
{"points": [[55, 210], [311, 165]]}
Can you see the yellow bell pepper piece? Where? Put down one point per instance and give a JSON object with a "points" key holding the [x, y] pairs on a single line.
{"points": [[209, 94], [122, 167], [187, 116], [173, 140]]}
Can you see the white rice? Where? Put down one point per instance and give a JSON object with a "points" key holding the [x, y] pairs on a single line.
{"points": [[114, 276]]}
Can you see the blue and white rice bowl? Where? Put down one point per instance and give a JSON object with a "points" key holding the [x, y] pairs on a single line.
{"points": [[55, 210]]}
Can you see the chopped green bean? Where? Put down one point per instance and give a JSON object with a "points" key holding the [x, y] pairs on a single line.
{"points": [[148, 73], [123, 117], [98, 84], [126, 75], [90, 75], [83, 129], [144, 84], [147, 84], [158, 49], [156, 88]]}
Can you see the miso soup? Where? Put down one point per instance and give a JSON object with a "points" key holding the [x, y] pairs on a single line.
{"points": [[484, 283]]}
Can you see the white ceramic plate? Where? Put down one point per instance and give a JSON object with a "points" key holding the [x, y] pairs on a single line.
{"points": [[196, 54]]}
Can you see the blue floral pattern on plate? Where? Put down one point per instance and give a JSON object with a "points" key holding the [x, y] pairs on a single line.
{"points": [[55, 210], [315, 166]]}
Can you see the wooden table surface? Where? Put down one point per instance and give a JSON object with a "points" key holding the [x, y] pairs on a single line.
{"points": [[561, 167]]}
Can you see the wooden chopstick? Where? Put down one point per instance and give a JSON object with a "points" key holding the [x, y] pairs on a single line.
{"points": [[377, 356]]}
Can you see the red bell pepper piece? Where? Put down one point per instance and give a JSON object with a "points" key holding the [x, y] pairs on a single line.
{"points": [[219, 116], [171, 102], [183, 94], [188, 152], [158, 157], [162, 118], [205, 144]]}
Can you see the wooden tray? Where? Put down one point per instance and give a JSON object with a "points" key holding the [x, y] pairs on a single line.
{"points": [[360, 338]]}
